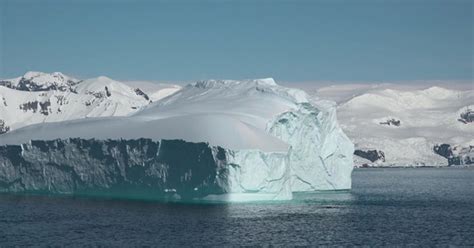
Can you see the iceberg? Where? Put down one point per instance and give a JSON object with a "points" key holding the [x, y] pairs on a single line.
{"points": [[215, 140]]}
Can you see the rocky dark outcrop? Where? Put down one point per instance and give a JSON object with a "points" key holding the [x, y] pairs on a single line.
{"points": [[35, 106], [3, 127], [29, 85], [98, 94], [467, 116], [107, 92], [142, 168], [371, 155], [455, 155], [7, 84], [391, 122], [443, 150], [61, 100], [139, 92]]}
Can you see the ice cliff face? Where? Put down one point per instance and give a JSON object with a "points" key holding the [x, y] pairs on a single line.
{"points": [[125, 168], [144, 169], [266, 142], [320, 154]]}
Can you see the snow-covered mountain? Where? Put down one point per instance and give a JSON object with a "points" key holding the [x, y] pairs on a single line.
{"points": [[262, 142], [155, 90], [40, 97], [398, 126], [40, 81]]}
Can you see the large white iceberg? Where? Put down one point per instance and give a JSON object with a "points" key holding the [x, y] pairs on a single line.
{"points": [[266, 141]]}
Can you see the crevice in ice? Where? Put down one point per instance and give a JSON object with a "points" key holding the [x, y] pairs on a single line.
{"points": [[305, 182]]}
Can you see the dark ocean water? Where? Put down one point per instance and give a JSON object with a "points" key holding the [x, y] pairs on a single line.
{"points": [[386, 207]]}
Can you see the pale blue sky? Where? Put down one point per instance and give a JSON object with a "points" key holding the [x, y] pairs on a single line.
{"points": [[287, 40]]}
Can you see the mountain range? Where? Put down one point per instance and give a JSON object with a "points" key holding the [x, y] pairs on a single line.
{"points": [[393, 125], [38, 97]]}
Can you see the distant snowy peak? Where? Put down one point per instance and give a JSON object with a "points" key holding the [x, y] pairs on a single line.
{"points": [[233, 83], [108, 87], [38, 97], [440, 93], [399, 100], [265, 86], [40, 81]]}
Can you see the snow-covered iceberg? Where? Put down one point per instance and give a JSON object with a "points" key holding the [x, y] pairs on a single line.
{"points": [[218, 140]]}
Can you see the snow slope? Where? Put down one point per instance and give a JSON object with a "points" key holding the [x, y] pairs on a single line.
{"points": [[275, 140], [56, 97], [155, 90], [427, 117], [164, 92]]}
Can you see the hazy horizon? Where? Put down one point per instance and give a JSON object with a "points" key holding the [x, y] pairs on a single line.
{"points": [[306, 85]]}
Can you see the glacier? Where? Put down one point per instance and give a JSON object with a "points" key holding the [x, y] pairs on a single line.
{"points": [[398, 125], [214, 140]]}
